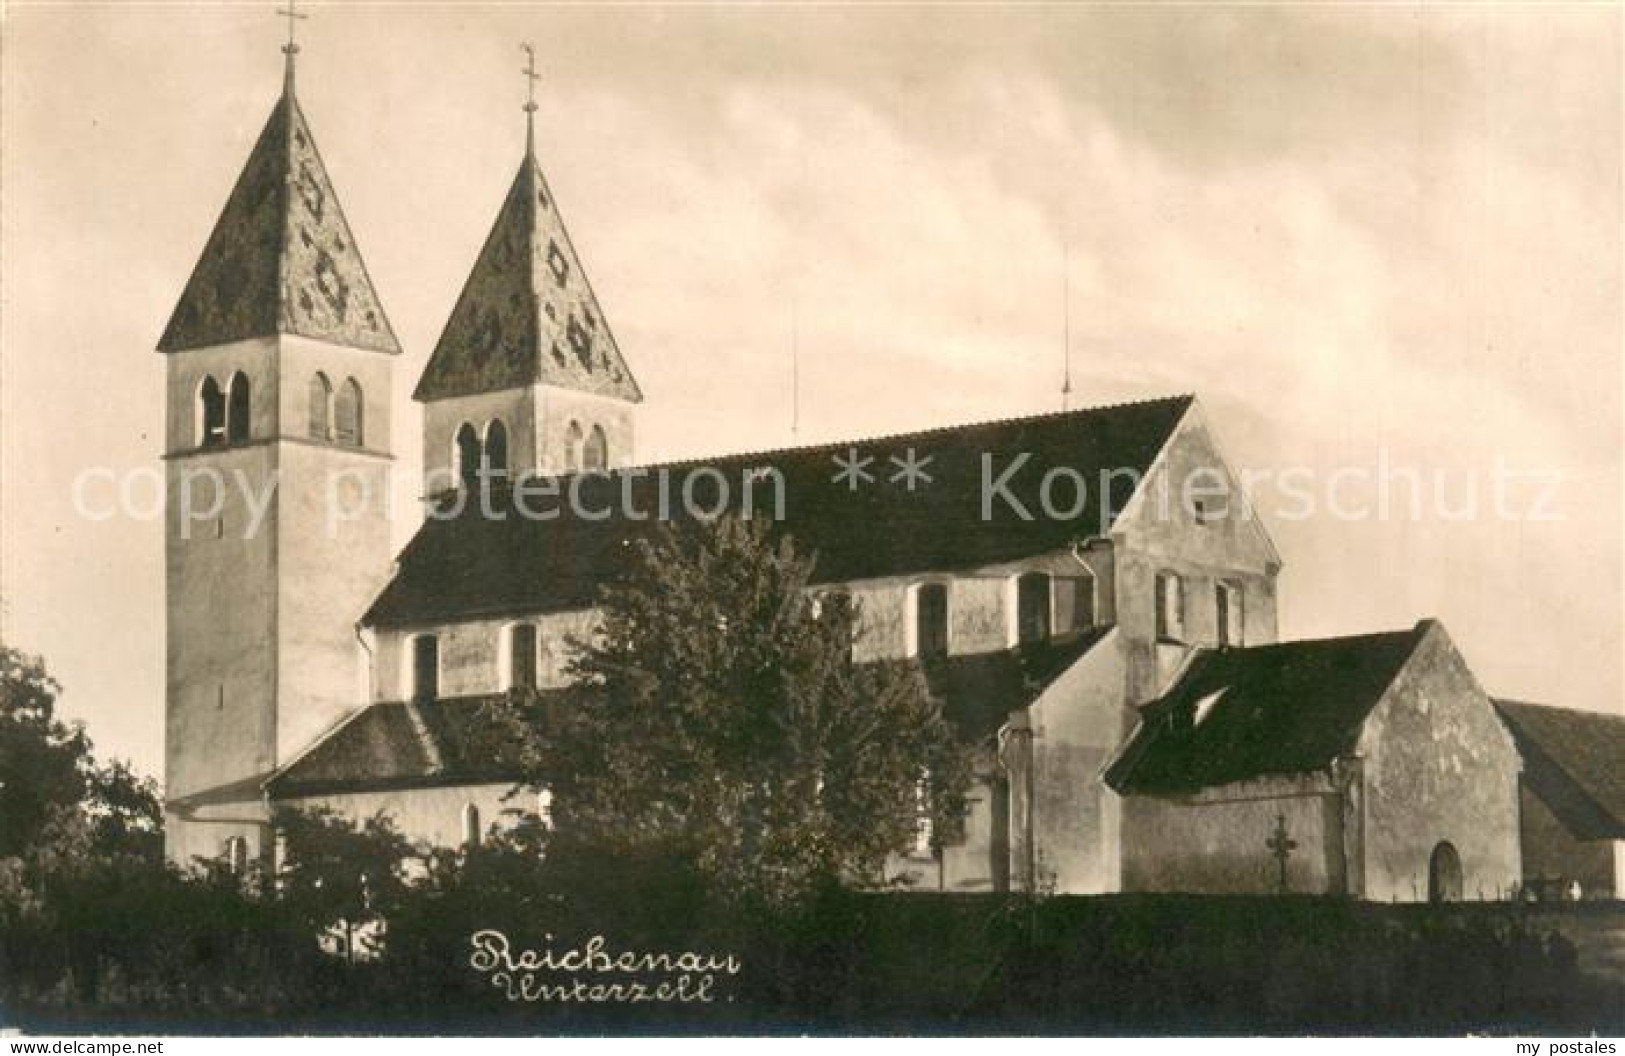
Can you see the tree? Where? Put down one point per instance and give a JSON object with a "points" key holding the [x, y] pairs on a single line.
{"points": [[719, 721], [42, 759], [71, 831], [125, 812], [336, 874]]}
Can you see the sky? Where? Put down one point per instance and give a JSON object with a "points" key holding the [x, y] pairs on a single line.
{"points": [[1361, 235]]}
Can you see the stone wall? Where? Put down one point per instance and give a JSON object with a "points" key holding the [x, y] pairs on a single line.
{"points": [[977, 614], [981, 604], [559, 407], [332, 560], [1438, 766], [1218, 841], [221, 640], [429, 817], [1160, 532], [443, 418], [978, 862], [474, 654], [203, 834], [1077, 725]]}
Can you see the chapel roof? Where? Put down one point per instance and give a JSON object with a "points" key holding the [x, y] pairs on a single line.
{"points": [[1575, 761], [1236, 714], [527, 314], [469, 565], [281, 258]]}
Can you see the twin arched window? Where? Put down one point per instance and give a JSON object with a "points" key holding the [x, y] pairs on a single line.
{"points": [[224, 416], [476, 457], [585, 450], [335, 415]]}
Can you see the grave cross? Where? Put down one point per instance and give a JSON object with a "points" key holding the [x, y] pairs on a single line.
{"points": [[1281, 847]]}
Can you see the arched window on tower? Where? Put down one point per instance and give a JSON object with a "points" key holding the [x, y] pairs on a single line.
{"points": [[574, 440], [347, 409], [595, 454], [321, 407], [471, 825], [496, 449], [239, 406], [211, 413], [1032, 607], [467, 452]]}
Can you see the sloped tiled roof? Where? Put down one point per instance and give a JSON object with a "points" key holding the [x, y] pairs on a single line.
{"points": [[471, 565], [454, 741], [1289, 708], [1575, 761], [281, 258], [980, 690], [527, 314]]}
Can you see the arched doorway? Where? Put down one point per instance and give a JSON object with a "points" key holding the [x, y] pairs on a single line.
{"points": [[1444, 874]]}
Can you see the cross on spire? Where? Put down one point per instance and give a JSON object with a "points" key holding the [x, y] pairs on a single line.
{"points": [[291, 48], [531, 77]]}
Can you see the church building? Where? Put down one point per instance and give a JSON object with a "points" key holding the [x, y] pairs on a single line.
{"points": [[1114, 662]]}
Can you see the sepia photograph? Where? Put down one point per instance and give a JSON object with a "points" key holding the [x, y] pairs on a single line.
{"points": [[907, 520]]}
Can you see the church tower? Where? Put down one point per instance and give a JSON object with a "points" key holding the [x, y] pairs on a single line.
{"points": [[527, 377], [277, 446]]}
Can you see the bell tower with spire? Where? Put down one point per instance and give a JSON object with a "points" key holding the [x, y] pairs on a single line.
{"points": [[527, 377], [278, 359]]}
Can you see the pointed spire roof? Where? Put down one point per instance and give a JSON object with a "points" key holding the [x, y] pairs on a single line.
{"points": [[527, 314], [281, 259]]}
